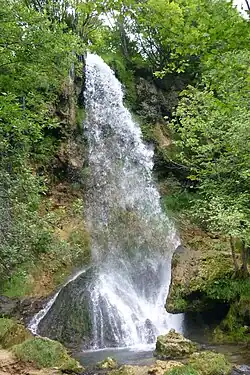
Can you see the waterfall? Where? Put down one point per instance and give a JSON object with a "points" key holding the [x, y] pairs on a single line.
{"points": [[132, 239]]}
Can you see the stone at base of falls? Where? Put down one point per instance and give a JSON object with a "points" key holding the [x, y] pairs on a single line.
{"points": [[174, 345], [241, 370], [161, 367], [107, 363], [69, 320]]}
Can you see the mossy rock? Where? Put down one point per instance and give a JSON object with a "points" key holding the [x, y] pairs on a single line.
{"points": [[174, 345], [124, 370], [12, 333], [197, 278], [46, 353], [210, 363], [107, 363], [182, 370], [164, 367]]}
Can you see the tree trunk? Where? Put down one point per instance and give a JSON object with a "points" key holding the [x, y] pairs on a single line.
{"points": [[232, 245]]}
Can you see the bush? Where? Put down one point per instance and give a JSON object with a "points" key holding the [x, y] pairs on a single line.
{"points": [[183, 370], [12, 333], [46, 353], [210, 363], [5, 325]]}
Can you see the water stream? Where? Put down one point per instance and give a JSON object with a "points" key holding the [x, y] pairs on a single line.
{"points": [[119, 302]]}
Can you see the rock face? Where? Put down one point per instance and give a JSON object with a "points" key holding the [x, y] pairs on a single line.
{"points": [[195, 272], [174, 345], [69, 320], [241, 370], [22, 309]]}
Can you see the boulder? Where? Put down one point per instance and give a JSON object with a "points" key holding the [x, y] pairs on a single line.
{"points": [[161, 367], [241, 370], [174, 345], [69, 319], [107, 363], [197, 270]]}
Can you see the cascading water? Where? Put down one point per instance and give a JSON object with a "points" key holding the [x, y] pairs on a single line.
{"points": [[122, 297]]}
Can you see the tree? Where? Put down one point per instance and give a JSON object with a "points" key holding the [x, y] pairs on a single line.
{"points": [[213, 140]]}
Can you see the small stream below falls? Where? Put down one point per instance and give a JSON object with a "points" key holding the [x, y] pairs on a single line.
{"points": [[144, 356]]}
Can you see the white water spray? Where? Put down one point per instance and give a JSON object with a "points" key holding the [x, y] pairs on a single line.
{"points": [[132, 239]]}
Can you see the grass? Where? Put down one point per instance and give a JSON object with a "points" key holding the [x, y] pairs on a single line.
{"points": [[182, 370], [45, 353], [210, 363]]}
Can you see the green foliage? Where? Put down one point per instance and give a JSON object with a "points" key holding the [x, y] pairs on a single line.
{"points": [[46, 353], [182, 370], [12, 333], [5, 325], [228, 289], [212, 139], [210, 363], [36, 55]]}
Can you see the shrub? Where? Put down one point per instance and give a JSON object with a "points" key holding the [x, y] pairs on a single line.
{"points": [[210, 363], [46, 353], [183, 370]]}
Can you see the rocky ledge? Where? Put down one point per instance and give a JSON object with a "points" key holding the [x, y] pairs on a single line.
{"points": [[203, 281]]}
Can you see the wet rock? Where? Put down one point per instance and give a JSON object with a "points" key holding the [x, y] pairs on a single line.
{"points": [[241, 370], [150, 331], [193, 271], [107, 363], [69, 320], [22, 309], [8, 306], [174, 345]]}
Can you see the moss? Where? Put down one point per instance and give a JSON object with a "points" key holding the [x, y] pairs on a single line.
{"points": [[210, 363], [46, 353], [182, 370], [107, 363], [124, 370], [176, 301], [80, 116], [174, 345], [238, 335], [5, 325], [12, 333]]}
